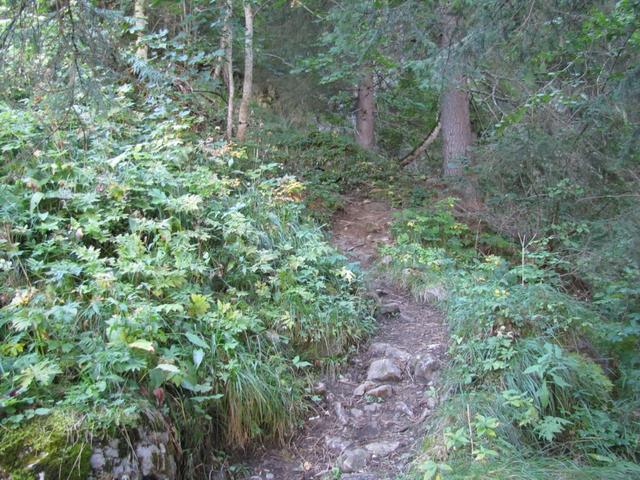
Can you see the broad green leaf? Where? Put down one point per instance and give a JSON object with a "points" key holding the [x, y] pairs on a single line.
{"points": [[197, 341], [198, 356], [145, 345], [36, 198], [543, 395], [168, 367]]}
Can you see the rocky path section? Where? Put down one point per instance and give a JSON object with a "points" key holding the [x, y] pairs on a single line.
{"points": [[370, 421]]}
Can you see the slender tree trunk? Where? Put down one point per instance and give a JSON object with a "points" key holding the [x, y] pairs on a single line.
{"points": [[454, 107], [365, 116], [217, 70], [141, 27], [247, 84], [228, 33]]}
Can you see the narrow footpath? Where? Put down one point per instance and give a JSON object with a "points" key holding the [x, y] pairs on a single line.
{"points": [[370, 422]]}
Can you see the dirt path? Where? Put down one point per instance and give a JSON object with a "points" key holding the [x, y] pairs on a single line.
{"points": [[370, 422]]}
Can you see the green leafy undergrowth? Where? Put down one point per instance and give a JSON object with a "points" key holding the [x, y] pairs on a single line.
{"points": [[532, 370], [141, 270], [333, 165]]}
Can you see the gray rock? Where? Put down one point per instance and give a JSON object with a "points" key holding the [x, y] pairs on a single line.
{"points": [[354, 460], [383, 391], [98, 460], [363, 387], [384, 350], [404, 408], [359, 476], [434, 294], [389, 309], [337, 444], [431, 403], [382, 449], [426, 368], [320, 388], [372, 408], [384, 370], [356, 413], [153, 456], [341, 414]]}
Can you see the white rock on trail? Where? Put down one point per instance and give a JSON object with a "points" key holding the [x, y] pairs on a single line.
{"points": [[382, 449], [337, 444], [341, 414], [426, 368], [153, 456], [354, 460], [384, 370], [404, 408], [363, 388], [384, 350], [383, 391]]}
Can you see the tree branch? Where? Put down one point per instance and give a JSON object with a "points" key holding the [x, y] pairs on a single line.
{"points": [[420, 149]]}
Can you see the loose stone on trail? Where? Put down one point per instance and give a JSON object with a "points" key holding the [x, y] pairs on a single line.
{"points": [[426, 368], [354, 460], [383, 391], [384, 370]]}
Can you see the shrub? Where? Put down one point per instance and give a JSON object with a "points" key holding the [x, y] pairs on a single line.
{"points": [[143, 271], [522, 357]]}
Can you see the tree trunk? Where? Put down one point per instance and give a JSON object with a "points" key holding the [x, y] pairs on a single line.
{"points": [[365, 116], [141, 27], [456, 131], [228, 33], [457, 136], [217, 70], [247, 84], [456, 123]]}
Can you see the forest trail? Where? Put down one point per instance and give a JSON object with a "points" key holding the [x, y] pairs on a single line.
{"points": [[370, 421]]}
